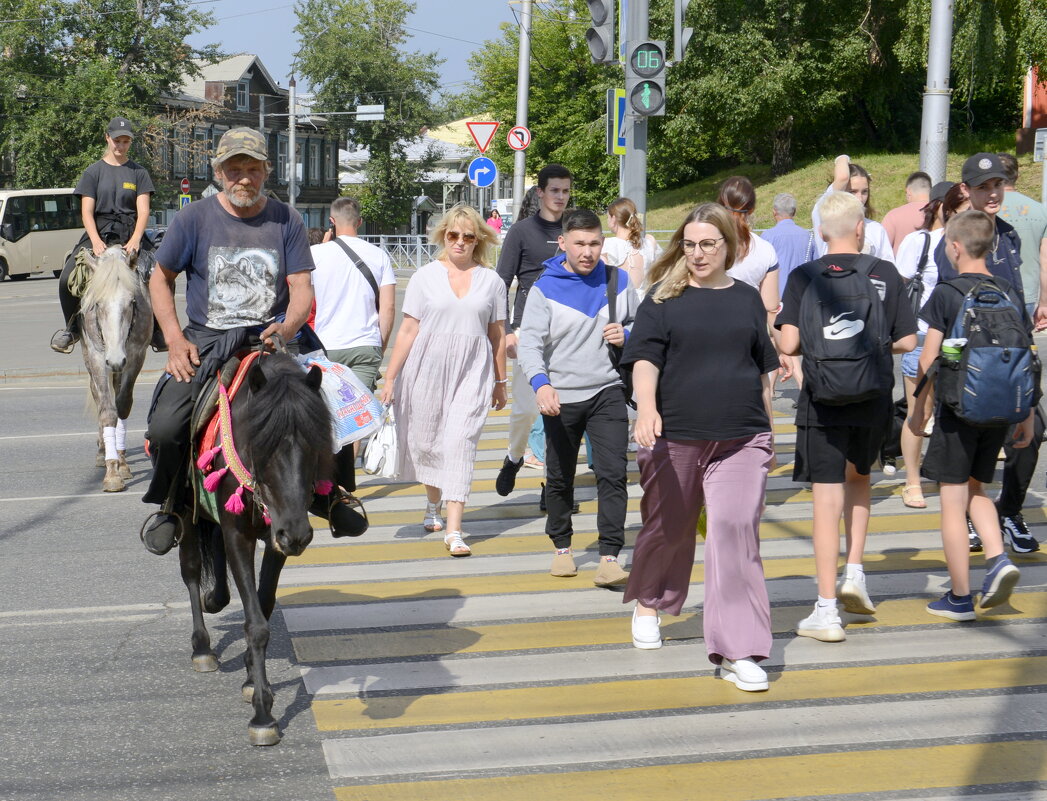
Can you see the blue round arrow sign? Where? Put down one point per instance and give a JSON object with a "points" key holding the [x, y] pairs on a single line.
{"points": [[482, 172]]}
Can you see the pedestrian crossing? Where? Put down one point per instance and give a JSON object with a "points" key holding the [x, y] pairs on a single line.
{"points": [[487, 678]]}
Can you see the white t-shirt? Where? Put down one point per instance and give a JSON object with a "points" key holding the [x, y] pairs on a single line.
{"points": [[760, 260], [616, 251], [345, 307], [909, 259], [877, 243]]}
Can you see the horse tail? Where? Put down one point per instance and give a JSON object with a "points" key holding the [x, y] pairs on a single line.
{"points": [[214, 586]]}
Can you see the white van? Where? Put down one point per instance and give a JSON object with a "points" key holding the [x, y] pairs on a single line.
{"points": [[38, 229]]}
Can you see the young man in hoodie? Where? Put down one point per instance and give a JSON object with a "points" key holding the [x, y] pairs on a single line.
{"points": [[565, 351]]}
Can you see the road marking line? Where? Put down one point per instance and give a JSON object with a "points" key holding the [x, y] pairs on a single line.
{"points": [[68, 434]]}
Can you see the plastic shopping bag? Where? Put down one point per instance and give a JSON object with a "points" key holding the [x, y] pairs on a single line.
{"points": [[381, 454], [355, 412]]}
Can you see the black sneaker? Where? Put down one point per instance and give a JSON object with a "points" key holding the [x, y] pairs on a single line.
{"points": [[973, 538], [1013, 526], [158, 343], [162, 534], [343, 511], [506, 481]]}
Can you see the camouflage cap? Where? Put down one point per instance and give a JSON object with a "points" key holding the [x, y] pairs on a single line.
{"points": [[241, 142]]}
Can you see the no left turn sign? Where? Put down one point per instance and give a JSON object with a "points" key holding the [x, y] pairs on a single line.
{"points": [[519, 137]]}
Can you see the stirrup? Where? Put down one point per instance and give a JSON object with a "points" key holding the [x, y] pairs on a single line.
{"points": [[432, 520], [178, 534]]}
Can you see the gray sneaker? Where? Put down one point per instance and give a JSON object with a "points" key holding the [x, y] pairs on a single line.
{"points": [[63, 341]]}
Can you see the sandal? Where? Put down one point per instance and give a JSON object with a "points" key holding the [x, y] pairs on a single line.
{"points": [[432, 520], [456, 545], [914, 503]]}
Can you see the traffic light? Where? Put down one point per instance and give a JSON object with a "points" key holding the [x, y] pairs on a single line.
{"points": [[681, 34], [600, 36], [645, 73]]}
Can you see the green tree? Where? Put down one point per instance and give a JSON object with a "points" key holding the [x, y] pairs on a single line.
{"points": [[353, 52], [66, 69]]}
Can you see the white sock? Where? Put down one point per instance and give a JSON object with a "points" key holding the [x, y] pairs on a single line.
{"points": [[826, 603], [121, 435], [109, 438], [853, 571]]}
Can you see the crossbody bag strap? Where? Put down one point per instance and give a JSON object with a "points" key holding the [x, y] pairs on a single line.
{"points": [[923, 256], [363, 268], [612, 292]]}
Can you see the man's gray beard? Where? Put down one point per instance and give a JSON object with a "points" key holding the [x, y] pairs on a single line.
{"points": [[241, 202]]}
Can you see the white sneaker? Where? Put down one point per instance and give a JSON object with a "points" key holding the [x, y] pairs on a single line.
{"points": [[647, 633], [744, 674], [822, 624], [854, 596]]}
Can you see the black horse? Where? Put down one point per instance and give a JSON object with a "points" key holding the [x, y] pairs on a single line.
{"points": [[283, 438]]}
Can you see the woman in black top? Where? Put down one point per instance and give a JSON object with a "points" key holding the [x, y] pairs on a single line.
{"points": [[114, 205], [702, 360]]}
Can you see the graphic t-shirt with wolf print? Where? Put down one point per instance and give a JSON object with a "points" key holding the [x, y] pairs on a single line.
{"points": [[236, 269]]}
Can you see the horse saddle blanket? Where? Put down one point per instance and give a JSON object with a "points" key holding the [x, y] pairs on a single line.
{"points": [[204, 422]]}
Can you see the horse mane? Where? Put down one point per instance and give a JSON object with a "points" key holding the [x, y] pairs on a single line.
{"points": [[112, 274], [286, 408]]}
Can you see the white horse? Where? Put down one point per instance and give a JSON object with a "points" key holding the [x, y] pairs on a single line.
{"points": [[116, 326]]}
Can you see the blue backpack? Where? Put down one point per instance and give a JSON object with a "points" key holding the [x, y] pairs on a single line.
{"points": [[996, 379]]}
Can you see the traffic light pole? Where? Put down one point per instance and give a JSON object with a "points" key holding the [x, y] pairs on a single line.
{"points": [[634, 162]]}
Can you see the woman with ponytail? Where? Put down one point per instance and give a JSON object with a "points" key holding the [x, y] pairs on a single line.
{"points": [[757, 262], [628, 248]]}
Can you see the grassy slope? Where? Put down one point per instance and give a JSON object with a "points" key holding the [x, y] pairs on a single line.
{"points": [[665, 210]]}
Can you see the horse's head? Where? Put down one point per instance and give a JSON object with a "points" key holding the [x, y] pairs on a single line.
{"points": [[287, 445], [110, 304]]}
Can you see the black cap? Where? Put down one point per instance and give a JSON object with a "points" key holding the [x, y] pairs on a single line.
{"points": [[120, 126], [982, 167], [941, 189]]}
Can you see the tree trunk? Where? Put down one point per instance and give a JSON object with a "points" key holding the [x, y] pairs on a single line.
{"points": [[782, 158]]}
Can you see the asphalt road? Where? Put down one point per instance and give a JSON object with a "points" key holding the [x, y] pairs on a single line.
{"points": [[100, 701]]}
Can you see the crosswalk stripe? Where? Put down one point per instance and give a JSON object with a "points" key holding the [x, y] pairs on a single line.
{"points": [[747, 778]]}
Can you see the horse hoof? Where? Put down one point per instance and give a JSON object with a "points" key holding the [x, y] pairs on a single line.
{"points": [[263, 735], [124, 471], [247, 691], [100, 460], [112, 481], [205, 663]]}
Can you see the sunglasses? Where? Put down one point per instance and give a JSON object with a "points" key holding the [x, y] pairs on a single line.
{"points": [[452, 237]]}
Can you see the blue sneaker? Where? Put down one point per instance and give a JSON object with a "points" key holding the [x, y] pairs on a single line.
{"points": [[999, 581], [953, 607]]}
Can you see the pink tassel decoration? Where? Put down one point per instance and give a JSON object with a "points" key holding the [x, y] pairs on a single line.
{"points": [[212, 480], [323, 487], [207, 457], [268, 520], [235, 504]]}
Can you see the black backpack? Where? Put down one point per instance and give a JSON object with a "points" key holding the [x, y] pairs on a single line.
{"points": [[996, 379], [614, 351], [844, 337]]}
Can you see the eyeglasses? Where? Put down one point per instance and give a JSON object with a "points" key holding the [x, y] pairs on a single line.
{"points": [[708, 246], [452, 237]]}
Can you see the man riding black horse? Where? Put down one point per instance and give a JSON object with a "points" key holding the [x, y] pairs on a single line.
{"points": [[264, 240]]}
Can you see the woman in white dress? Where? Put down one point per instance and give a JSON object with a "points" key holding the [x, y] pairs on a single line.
{"points": [[628, 248], [448, 368]]}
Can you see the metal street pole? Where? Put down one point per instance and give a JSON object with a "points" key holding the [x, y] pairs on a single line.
{"points": [[292, 159], [523, 90], [934, 135], [634, 162]]}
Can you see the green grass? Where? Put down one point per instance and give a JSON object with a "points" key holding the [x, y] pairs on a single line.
{"points": [[665, 210]]}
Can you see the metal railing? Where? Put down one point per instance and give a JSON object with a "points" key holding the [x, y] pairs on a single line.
{"points": [[411, 251]]}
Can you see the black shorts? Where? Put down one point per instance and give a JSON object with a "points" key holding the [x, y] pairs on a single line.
{"points": [[822, 452], [958, 452]]}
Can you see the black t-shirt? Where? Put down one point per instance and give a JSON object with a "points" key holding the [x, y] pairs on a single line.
{"points": [[528, 245], [941, 308], [900, 323], [712, 347], [115, 189]]}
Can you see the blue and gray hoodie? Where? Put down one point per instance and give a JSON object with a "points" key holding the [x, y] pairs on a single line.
{"points": [[561, 335]]}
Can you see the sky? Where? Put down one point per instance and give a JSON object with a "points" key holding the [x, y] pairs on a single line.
{"points": [[451, 28]]}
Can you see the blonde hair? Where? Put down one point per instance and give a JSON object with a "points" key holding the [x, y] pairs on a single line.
{"points": [[486, 238], [623, 212], [669, 275], [840, 212]]}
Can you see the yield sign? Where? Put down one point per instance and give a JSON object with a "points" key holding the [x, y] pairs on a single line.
{"points": [[482, 133]]}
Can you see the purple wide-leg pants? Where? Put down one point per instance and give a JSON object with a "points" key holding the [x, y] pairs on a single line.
{"points": [[729, 478]]}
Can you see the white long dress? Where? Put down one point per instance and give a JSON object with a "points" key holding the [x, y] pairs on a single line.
{"points": [[443, 393]]}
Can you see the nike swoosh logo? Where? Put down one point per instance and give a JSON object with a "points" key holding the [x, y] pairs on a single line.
{"points": [[834, 318], [837, 331]]}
